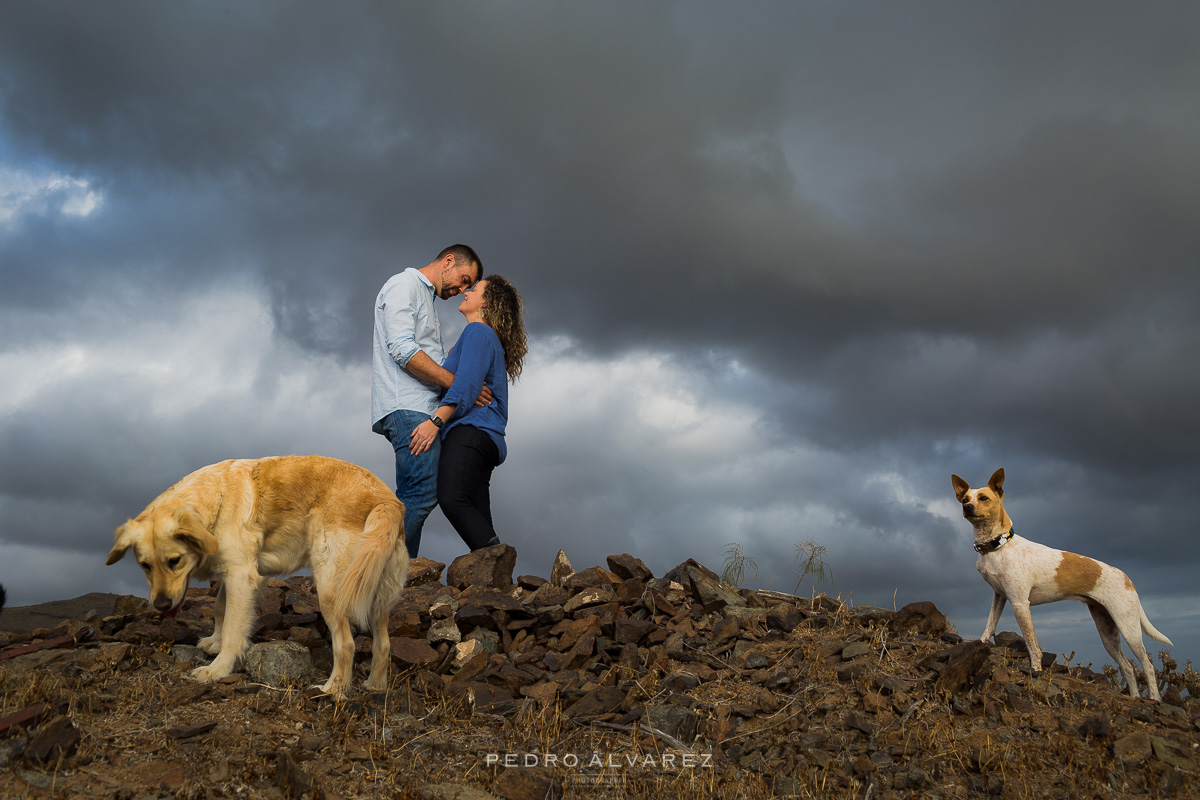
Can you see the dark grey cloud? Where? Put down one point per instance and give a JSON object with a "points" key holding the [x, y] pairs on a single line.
{"points": [[811, 258]]}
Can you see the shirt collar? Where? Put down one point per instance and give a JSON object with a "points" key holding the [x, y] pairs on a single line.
{"points": [[428, 283]]}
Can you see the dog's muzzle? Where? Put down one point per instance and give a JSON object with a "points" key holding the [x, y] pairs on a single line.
{"points": [[164, 606]]}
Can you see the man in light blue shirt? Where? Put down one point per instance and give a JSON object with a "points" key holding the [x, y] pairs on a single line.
{"points": [[407, 379]]}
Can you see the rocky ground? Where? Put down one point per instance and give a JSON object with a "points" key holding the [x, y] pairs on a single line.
{"points": [[606, 682]]}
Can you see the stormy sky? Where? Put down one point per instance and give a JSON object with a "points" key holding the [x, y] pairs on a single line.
{"points": [[787, 266]]}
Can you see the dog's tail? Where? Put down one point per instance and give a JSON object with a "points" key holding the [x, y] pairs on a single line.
{"points": [[391, 582], [1154, 632], [376, 576]]}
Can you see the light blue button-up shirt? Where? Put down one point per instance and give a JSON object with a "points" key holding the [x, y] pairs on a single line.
{"points": [[405, 322]]}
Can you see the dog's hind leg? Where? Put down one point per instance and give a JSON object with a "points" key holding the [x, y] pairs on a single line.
{"points": [[381, 650], [1131, 629], [1107, 628], [343, 648], [1139, 649], [1128, 622]]}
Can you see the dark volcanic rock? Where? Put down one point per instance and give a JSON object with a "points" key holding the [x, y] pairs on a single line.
{"points": [[626, 567], [490, 599], [676, 721], [561, 569], [413, 652], [489, 566], [548, 595], [785, 617], [531, 582], [601, 700], [921, 617], [633, 631], [55, 739], [289, 777], [423, 571], [590, 578], [590, 596], [964, 667]]}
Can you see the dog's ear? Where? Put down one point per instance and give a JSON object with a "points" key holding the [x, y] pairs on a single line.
{"points": [[961, 487], [124, 538], [193, 533], [996, 482]]}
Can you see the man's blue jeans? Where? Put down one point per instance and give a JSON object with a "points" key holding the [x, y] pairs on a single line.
{"points": [[416, 476]]}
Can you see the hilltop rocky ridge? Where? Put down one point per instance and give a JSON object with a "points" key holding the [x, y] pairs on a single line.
{"points": [[602, 682]]}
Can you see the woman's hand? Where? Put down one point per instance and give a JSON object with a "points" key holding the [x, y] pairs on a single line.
{"points": [[422, 437]]}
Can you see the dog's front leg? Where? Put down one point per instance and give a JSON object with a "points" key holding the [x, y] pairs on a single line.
{"points": [[240, 589], [1025, 621], [993, 617], [212, 644]]}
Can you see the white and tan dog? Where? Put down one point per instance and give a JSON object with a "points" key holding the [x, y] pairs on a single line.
{"points": [[249, 518], [1026, 573]]}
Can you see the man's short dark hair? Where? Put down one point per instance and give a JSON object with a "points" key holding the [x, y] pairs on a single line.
{"points": [[463, 253]]}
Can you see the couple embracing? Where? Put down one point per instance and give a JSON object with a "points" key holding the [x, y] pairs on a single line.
{"points": [[445, 414]]}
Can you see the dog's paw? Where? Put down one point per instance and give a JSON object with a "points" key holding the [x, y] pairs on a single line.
{"points": [[375, 684], [209, 674], [335, 690], [210, 644]]}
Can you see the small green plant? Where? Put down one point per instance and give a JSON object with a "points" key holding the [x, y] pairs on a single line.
{"points": [[811, 558], [737, 565]]}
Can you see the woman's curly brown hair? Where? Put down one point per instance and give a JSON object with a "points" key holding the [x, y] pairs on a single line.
{"points": [[503, 312]]}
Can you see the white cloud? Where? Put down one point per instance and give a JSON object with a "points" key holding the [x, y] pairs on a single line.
{"points": [[162, 359], [637, 453], [45, 194]]}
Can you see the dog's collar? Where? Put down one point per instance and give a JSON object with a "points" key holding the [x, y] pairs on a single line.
{"points": [[994, 544]]}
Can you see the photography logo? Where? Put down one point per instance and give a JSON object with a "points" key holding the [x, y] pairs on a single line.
{"points": [[599, 767]]}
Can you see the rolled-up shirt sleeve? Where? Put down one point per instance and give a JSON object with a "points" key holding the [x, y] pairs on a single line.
{"points": [[399, 317], [475, 356]]}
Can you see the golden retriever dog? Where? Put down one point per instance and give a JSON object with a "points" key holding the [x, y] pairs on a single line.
{"points": [[246, 519]]}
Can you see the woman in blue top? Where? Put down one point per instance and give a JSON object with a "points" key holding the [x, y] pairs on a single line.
{"points": [[490, 351]]}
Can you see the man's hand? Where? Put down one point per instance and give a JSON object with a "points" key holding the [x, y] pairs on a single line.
{"points": [[485, 397], [423, 367]]}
